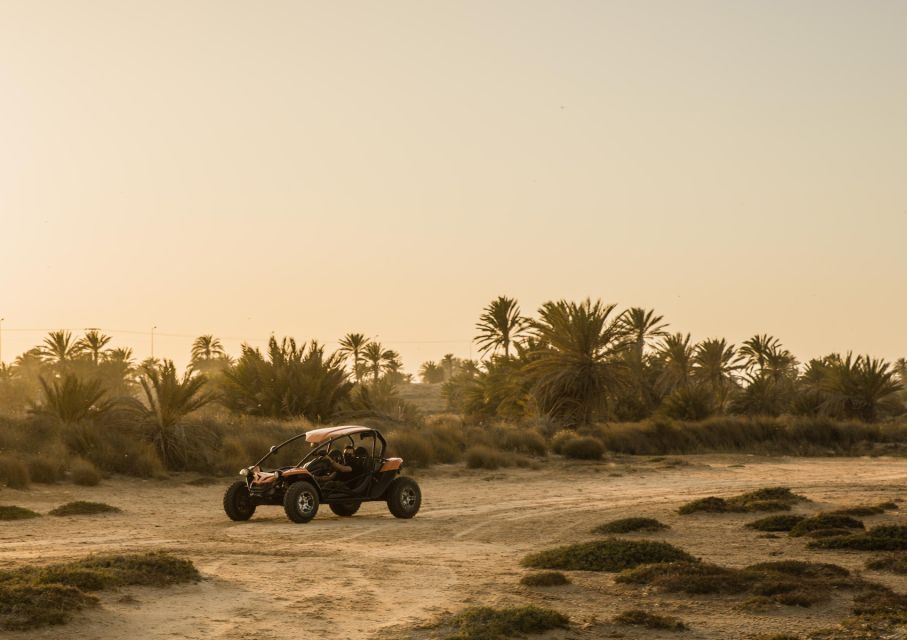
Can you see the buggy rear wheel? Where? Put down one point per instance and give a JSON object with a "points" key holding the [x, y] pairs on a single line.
{"points": [[345, 509], [404, 497], [238, 503], [301, 501]]}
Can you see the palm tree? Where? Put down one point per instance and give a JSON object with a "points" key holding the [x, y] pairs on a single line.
{"points": [[448, 364], [72, 399], [92, 343], [676, 356], [578, 362], [860, 387], [642, 326], [500, 325], [207, 347], [715, 366], [431, 373], [377, 358], [59, 347], [168, 399], [352, 346]]}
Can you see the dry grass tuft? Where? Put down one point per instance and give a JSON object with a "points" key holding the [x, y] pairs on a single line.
{"points": [[14, 473], [83, 508], [865, 510], [892, 562], [583, 448], [84, 473], [627, 525], [544, 579], [638, 617], [613, 554]]}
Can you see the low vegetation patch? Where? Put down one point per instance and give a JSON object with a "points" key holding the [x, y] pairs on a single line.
{"points": [[46, 469], [84, 473], [487, 623], [627, 525], [13, 473], [865, 510], [612, 554], [638, 617], [892, 562], [32, 597], [784, 522], [828, 533], [766, 499], [824, 522], [789, 582], [83, 508], [17, 513], [544, 579], [583, 448], [882, 538]]}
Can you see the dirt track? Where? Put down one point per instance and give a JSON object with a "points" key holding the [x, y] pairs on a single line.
{"points": [[372, 576]]}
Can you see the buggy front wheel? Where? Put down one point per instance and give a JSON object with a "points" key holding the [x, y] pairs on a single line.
{"points": [[404, 497], [238, 503], [301, 501]]}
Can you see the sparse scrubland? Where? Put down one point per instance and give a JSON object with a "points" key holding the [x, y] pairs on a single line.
{"points": [[628, 525], [640, 618], [36, 596], [767, 499], [487, 623]]}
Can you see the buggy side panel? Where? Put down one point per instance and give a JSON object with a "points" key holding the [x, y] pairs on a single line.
{"points": [[382, 482], [392, 464]]}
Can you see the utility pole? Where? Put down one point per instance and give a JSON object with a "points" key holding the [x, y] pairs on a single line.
{"points": [[1, 340], [152, 341]]}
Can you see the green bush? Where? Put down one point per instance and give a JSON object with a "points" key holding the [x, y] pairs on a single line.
{"points": [[487, 623], [612, 555], [11, 512], [544, 579], [13, 472], [776, 523], [640, 618], [627, 525], [825, 521], [83, 508], [583, 448]]}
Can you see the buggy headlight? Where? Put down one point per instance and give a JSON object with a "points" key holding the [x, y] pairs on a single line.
{"points": [[243, 472]]}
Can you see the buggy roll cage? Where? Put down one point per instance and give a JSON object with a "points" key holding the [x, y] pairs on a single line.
{"points": [[374, 434]]}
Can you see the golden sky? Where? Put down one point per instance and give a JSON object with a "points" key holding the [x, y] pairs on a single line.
{"points": [[314, 168]]}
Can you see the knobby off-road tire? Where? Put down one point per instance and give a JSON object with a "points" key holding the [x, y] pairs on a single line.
{"points": [[301, 501], [238, 503], [345, 509], [404, 497]]}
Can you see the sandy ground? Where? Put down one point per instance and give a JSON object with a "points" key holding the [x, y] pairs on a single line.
{"points": [[372, 576]]}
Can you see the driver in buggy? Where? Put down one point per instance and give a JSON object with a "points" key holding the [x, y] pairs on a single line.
{"points": [[352, 468]]}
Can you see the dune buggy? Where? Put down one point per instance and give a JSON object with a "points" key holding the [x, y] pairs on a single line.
{"points": [[302, 487]]}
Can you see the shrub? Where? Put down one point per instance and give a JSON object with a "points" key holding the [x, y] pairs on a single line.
{"points": [[828, 533], [544, 579], [825, 521], [486, 623], [559, 439], [766, 499], [583, 448], [482, 457], [883, 538], [46, 468], [626, 525], [612, 554], [413, 447], [792, 582], [17, 513], [83, 473], [528, 441], [13, 472], [865, 510], [638, 617], [776, 523], [83, 508], [893, 562], [35, 596]]}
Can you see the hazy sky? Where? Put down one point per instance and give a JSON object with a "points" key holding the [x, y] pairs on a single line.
{"points": [[314, 168]]}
